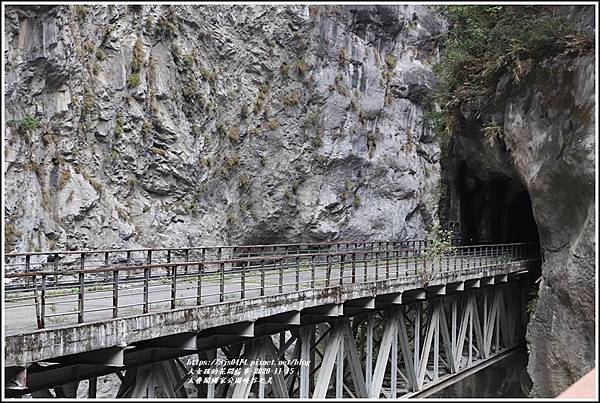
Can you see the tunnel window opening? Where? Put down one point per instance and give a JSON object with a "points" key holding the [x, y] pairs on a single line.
{"points": [[496, 209]]}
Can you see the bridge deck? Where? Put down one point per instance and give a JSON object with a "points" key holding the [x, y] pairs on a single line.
{"points": [[57, 298], [100, 307]]}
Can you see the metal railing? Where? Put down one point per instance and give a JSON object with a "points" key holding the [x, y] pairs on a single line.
{"points": [[75, 287]]}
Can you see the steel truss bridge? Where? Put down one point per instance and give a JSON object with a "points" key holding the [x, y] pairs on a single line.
{"points": [[345, 319]]}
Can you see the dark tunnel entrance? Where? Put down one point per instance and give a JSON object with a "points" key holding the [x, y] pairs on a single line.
{"points": [[494, 210]]}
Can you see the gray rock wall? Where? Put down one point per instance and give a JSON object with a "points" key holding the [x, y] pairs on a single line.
{"points": [[186, 125], [548, 146], [550, 128]]}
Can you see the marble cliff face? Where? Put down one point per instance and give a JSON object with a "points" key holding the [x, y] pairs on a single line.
{"points": [[183, 125]]}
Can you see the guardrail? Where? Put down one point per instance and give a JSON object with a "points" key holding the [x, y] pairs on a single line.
{"points": [[65, 291]]}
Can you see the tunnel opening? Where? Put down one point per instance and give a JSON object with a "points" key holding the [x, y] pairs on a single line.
{"points": [[484, 206], [494, 209]]}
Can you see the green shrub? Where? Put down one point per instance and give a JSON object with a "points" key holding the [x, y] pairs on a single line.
{"points": [[208, 74], [357, 200], [288, 194], [230, 162], [206, 161], [272, 124], [488, 42], [119, 124], [343, 59], [100, 54], [88, 46], [133, 80], [231, 217], [302, 67], [147, 127], [312, 119], [26, 124], [261, 97], [88, 100], [285, 69], [93, 181], [234, 134], [11, 234], [149, 23], [137, 58], [244, 182], [191, 91], [35, 168], [292, 98], [390, 61], [63, 179], [159, 151], [190, 59], [221, 129], [339, 85], [244, 111], [176, 51], [167, 25], [440, 243], [81, 11]]}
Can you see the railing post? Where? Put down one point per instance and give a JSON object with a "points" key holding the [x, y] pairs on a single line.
{"points": [[128, 263], [397, 255], [365, 262], [222, 280], [328, 272], [36, 301], [146, 285], [454, 261], [116, 293], [468, 250], [243, 281], [187, 259], [200, 274], [55, 269], [312, 272], [387, 260], [342, 260], [281, 275], [416, 256], [298, 272], [354, 267], [199, 285], [42, 322], [168, 268], [262, 277], [80, 297], [28, 269], [173, 286], [377, 263], [149, 257]]}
